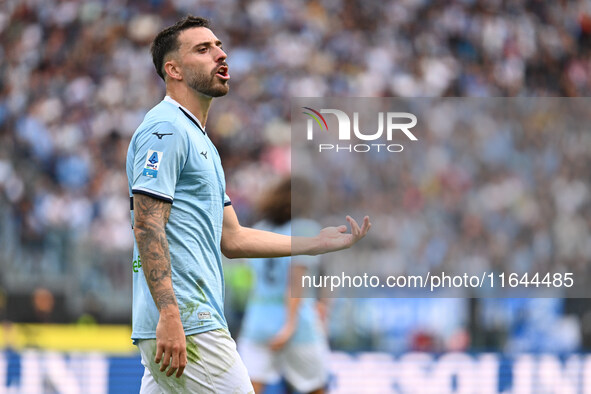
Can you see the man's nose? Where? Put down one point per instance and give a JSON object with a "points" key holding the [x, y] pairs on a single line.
{"points": [[220, 55]]}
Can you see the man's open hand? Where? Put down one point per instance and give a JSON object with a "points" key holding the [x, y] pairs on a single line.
{"points": [[335, 238]]}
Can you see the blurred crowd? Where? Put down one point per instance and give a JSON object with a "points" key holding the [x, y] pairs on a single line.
{"points": [[76, 79], [494, 186]]}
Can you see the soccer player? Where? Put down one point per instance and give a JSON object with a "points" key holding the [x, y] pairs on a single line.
{"points": [[291, 342], [183, 221]]}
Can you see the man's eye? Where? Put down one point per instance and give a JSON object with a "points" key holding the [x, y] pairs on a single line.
{"points": [[202, 50]]}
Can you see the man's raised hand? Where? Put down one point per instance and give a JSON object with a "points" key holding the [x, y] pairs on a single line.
{"points": [[331, 239]]}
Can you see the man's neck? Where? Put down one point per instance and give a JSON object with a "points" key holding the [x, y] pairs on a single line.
{"points": [[194, 102]]}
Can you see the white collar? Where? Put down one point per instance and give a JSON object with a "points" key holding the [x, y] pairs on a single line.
{"points": [[173, 101]]}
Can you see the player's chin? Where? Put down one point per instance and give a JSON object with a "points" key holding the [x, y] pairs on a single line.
{"points": [[223, 86], [221, 91]]}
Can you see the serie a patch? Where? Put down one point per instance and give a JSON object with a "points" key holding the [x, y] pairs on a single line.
{"points": [[153, 159]]}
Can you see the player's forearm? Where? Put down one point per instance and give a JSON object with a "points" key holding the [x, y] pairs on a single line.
{"points": [[293, 305], [153, 248], [151, 216], [294, 294], [251, 243]]}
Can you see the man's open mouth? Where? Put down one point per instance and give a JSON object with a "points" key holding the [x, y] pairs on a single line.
{"points": [[223, 73]]}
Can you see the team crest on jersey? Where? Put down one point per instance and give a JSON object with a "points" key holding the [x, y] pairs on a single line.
{"points": [[153, 160]]}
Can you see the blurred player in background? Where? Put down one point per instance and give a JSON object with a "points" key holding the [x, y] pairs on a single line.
{"points": [[290, 342], [183, 221]]}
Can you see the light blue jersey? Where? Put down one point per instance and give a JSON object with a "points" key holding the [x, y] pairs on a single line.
{"points": [[266, 310], [170, 157]]}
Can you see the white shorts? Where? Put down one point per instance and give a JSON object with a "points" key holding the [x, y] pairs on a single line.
{"points": [[305, 367], [213, 366]]}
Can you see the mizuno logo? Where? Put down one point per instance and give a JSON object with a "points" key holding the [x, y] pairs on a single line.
{"points": [[160, 135], [204, 154]]}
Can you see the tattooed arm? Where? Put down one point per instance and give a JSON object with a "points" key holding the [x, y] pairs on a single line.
{"points": [[150, 218]]}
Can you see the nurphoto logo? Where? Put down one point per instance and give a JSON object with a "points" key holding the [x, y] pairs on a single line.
{"points": [[395, 123]]}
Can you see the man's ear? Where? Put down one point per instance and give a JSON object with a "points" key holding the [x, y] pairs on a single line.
{"points": [[173, 70]]}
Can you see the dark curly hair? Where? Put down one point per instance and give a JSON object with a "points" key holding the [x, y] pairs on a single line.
{"points": [[277, 206]]}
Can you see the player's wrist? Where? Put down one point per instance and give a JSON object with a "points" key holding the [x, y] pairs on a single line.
{"points": [[170, 312], [318, 245], [310, 246]]}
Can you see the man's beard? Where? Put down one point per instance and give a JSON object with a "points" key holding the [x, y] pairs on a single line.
{"points": [[208, 84]]}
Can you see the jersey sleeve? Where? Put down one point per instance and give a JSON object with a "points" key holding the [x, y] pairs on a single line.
{"points": [[227, 200], [161, 152], [305, 228]]}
